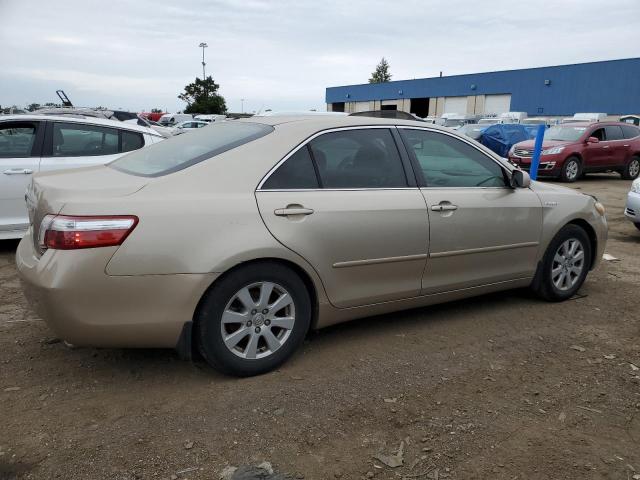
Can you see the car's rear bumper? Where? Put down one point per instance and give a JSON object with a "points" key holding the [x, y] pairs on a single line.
{"points": [[632, 208], [84, 306]]}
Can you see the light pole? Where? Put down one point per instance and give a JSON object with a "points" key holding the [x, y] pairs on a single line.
{"points": [[203, 45]]}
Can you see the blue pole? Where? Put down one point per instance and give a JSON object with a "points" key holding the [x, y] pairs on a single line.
{"points": [[535, 160]]}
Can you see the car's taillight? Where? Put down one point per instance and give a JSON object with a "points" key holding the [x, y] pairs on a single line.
{"points": [[65, 232]]}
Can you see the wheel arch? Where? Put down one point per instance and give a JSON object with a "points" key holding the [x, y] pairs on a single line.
{"points": [[593, 238], [300, 271]]}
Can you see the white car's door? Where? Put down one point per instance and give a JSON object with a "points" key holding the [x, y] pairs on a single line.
{"points": [[20, 146], [72, 144]]}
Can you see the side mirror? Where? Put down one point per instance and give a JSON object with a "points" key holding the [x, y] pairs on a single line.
{"points": [[593, 140], [520, 179]]}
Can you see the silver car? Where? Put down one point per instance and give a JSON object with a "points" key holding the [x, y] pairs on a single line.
{"points": [[238, 238], [632, 209]]}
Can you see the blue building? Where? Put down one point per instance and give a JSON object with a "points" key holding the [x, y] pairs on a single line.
{"points": [[611, 87]]}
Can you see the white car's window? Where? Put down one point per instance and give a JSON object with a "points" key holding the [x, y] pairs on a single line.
{"points": [[131, 140], [446, 161], [365, 158], [17, 139], [78, 140], [182, 151], [296, 172]]}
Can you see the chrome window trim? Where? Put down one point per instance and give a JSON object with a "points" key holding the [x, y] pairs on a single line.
{"points": [[337, 189], [310, 139]]}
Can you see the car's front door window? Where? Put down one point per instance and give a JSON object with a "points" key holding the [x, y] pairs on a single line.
{"points": [[446, 161]]}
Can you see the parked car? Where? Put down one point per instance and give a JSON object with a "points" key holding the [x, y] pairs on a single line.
{"points": [[191, 125], [210, 118], [538, 121], [632, 210], [32, 143], [585, 117], [571, 149], [170, 119], [473, 130], [512, 117], [632, 119], [238, 238]]}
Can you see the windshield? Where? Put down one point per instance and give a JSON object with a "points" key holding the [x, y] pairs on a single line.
{"points": [[568, 134], [183, 151]]}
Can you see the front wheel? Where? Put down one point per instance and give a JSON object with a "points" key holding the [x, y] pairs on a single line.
{"points": [[571, 170], [253, 319], [632, 169], [565, 265]]}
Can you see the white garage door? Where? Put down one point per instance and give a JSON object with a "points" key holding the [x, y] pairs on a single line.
{"points": [[455, 105], [497, 103]]}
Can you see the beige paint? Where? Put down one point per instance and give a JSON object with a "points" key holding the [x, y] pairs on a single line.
{"points": [[365, 251]]}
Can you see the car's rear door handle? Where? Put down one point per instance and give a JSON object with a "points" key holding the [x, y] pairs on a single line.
{"points": [[18, 171], [444, 207], [605, 146], [292, 210]]}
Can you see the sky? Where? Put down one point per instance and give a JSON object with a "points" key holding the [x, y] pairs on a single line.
{"points": [[282, 54]]}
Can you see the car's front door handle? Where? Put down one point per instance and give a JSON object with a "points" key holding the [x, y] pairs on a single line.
{"points": [[444, 207], [18, 171], [605, 146], [291, 210]]}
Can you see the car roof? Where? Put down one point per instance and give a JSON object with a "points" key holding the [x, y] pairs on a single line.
{"points": [[80, 119], [591, 124], [322, 122]]}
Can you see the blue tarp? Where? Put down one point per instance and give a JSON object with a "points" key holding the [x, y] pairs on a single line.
{"points": [[501, 137]]}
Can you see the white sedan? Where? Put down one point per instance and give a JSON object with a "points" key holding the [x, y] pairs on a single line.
{"points": [[190, 125], [37, 143]]}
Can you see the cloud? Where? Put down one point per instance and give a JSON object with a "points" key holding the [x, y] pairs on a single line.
{"points": [[284, 54]]}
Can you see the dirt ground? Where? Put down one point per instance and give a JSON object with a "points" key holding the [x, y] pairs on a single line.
{"points": [[497, 387]]}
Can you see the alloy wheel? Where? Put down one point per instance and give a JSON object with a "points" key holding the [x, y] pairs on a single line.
{"points": [[568, 264], [634, 168], [258, 320], [572, 169]]}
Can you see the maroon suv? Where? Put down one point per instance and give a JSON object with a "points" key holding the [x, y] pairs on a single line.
{"points": [[571, 149]]}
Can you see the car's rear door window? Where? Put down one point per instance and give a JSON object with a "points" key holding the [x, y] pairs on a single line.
{"points": [[613, 132], [182, 151], [446, 161], [130, 141], [79, 140], [630, 131], [297, 172], [360, 158]]}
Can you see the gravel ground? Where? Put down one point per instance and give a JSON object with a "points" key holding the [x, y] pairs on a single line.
{"points": [[502, 386]]}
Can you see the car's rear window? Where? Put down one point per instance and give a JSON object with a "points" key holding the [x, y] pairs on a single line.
{"points": [[182, 151]]}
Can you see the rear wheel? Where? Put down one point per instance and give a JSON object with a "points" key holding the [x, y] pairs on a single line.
{"points": [[253, 319], [571, 170], [632, 169], [565, 265]]}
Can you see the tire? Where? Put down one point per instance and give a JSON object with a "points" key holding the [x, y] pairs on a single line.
{"points": [[632, 169], [258, 342], [637, 225], [571, 170], [545, 284]]}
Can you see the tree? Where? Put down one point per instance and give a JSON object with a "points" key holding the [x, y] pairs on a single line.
{"points": [[201, 97], [33, 107], [381, 74], [156, 110]]}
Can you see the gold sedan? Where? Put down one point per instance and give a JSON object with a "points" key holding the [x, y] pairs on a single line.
{"points": [[238, 238]]}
